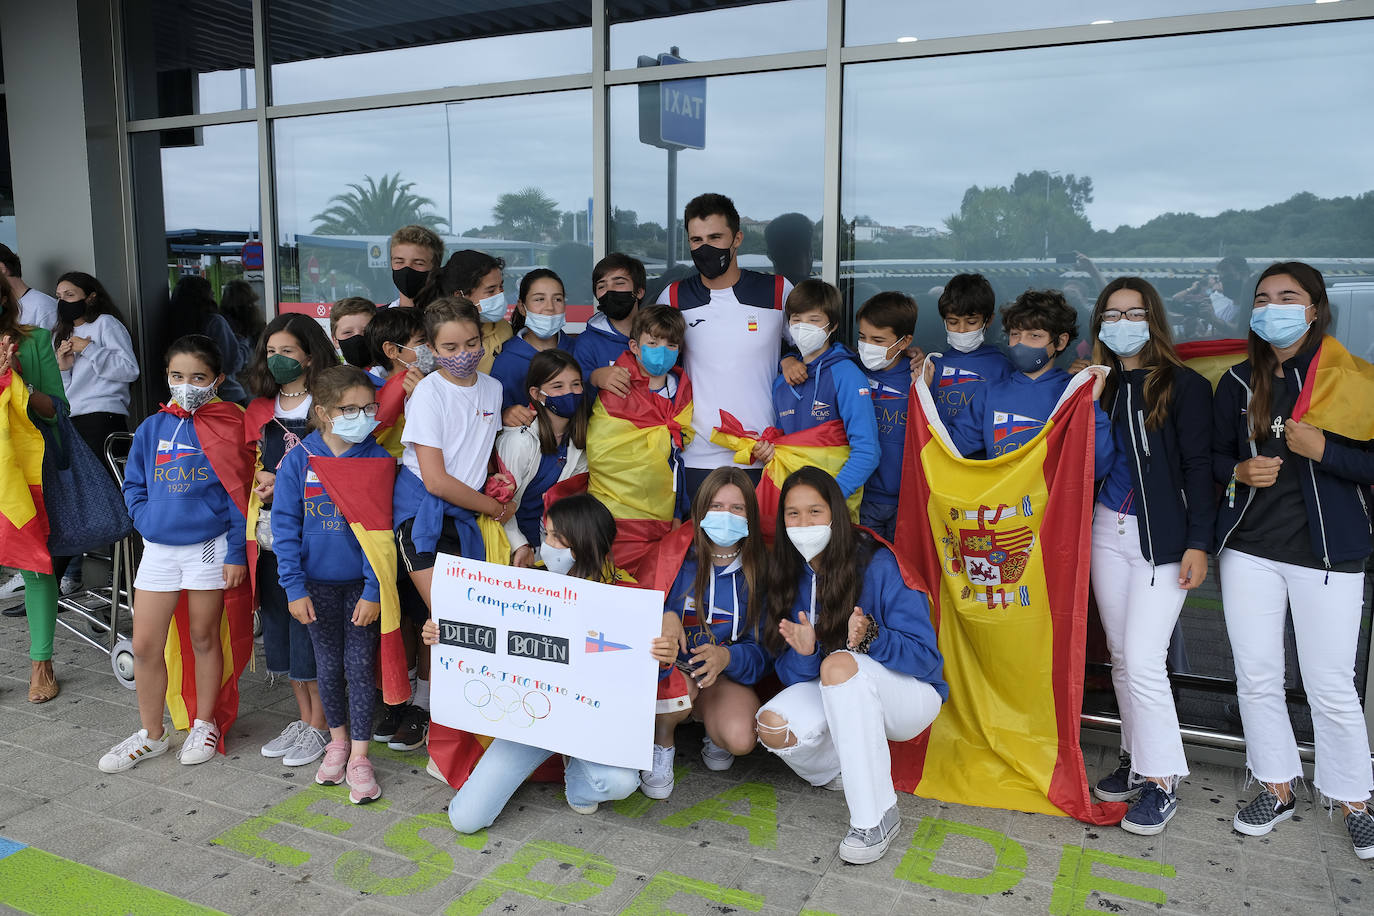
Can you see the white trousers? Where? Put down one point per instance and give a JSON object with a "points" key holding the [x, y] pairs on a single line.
{"points": [[844, 729], [1326, 607], [1139, 606]]}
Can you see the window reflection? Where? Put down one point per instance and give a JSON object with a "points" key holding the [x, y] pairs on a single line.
{"points": [[188, 56], [869, 22], [354, 47], [510, 176], [711, 30], [763, 149]]}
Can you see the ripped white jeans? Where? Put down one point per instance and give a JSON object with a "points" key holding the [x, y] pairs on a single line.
{"points": [[843, 729]]}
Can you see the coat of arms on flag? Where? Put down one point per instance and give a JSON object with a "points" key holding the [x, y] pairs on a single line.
{"points": [[993, 551]]}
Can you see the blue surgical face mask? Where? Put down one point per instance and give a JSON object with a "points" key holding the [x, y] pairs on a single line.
{"points": [[725, 529], [658, 360], [493, 308], [1280, 325], [563, 405], [544, 326], [353, 429], [1125, 338], [1025, 358]]}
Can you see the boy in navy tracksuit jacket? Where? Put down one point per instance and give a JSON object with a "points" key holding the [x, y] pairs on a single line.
{"points": [[618, 283], [886, 324], [1008, 414], [970, 364], [834, 389]]}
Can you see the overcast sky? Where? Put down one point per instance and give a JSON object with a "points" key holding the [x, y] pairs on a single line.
{"points": [[1200, 123]]}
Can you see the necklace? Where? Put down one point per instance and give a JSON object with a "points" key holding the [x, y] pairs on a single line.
{"points": [[1123, 512], [726, 556], [293, 394]]}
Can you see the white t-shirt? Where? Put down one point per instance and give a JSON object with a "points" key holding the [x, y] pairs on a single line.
{"points": [[37, 309], [732, 359], [460, 421]]}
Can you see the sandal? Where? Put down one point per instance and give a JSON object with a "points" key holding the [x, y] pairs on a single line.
{"points": [[42, 683]]}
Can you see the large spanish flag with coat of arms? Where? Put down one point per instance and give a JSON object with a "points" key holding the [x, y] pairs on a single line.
{"points": [[1004, 544]]}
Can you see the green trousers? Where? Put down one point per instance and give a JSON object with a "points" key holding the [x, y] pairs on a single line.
{"points": [[40, 604]]}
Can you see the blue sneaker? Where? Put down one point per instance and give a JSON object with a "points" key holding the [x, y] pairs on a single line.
{"points": [[1151, 810], [1119, 784]]}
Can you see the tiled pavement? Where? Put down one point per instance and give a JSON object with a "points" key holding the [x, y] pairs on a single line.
{"points": [[243, 834]]}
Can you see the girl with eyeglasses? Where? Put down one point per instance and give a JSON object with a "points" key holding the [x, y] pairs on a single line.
{"points": [[1152, 529], [329, 583]]}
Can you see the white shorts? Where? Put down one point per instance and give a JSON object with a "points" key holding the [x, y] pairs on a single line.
{"points": [[169, 568]]}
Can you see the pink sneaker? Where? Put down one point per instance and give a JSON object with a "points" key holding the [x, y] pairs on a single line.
{"points": [[362, 782], [331, 771]]}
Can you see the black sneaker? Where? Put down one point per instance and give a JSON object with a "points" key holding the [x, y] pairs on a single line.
{"points": [[391, 721], [1120, 784], [1261, 815], [1361, 826], [414, 728]]}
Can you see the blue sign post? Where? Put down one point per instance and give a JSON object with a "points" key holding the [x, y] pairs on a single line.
{"points": [[672, 116]]}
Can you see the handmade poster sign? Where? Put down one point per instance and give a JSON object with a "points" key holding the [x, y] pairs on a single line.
{"points": [[546, 660]]}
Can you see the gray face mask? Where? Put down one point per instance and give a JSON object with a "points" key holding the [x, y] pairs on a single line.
{"points": [[192, 397], [424, 358]]}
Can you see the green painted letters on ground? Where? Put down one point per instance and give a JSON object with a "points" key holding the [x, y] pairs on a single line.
{"points": [[597, 874], [664, 886], [761, 821], [247, 838], [917, 865], [38, 882], [432, 864], [1076, 881]]}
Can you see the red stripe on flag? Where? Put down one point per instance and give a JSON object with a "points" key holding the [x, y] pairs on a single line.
{"points": [[456, 753], [391, 401], [391, 663], [1309, 384], [27, 547], [360, 487]]}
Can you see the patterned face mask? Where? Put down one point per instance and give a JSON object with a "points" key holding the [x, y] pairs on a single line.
{"points": [[462, 365]]}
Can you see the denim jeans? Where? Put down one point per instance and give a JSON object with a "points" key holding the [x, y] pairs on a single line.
{"points": [[505, 765]]}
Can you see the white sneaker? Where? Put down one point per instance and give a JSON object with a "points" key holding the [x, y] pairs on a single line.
{"points": [[69, 585], [13, 587], [714, 756], [280, 745], [200, 745], [131, 750], [836, 784], [658, 782], [585, 809], [309, 747]]}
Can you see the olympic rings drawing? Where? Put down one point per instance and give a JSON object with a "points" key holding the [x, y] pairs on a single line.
{"points": [[495, 705]]}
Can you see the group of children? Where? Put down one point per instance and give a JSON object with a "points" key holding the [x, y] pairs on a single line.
{"points": [[481, 419]]}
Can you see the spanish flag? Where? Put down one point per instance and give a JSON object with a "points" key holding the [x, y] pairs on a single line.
{"points": [[391, 421], [219, 427], [1005, 545], [361, 489], [23, 519], [634, 447], [1337, 393], [824, 446], [1211, 358]]}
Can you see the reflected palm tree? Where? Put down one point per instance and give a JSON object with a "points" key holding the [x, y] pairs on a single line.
{"points": [[380, 208]]}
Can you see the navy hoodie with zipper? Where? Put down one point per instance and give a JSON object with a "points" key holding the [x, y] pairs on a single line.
{"points": [[1167, 470], [835, 389], [512, 364], [726, 620], [598, 346], [1335, 489]]}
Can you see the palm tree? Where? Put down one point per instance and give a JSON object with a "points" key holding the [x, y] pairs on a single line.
{"points": [[528, 214], [378, 209]]}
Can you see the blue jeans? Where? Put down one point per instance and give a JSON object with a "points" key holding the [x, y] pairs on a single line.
{"points": [[285, 640], [505, 765]]}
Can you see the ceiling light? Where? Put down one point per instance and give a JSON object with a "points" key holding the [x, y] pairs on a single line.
{"points": [[1102, 22], [906, 38]]}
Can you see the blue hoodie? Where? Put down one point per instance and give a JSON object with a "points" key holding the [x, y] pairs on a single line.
{"points": [[835, 389], [906, 639], [1008, 414], [311, 538], [890, 388], [959, 376], [512, 364], [172, 492], [748, 659], [598, 346]]}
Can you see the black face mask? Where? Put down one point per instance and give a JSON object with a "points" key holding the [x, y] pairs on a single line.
{"points": [[409, 281], [711, 261], [69, 312], [617, 304], [355, 350]]}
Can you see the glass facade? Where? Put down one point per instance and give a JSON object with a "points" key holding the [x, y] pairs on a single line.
{"points": [[874, 143]]}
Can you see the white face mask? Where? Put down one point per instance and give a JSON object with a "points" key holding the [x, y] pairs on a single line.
{"points": [[556, 559], [809, 540], [493, 308], [965, 341], [808, 337], [874, 356]]}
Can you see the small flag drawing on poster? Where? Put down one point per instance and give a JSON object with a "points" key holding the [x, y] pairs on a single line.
{"points": [[597, 642]]}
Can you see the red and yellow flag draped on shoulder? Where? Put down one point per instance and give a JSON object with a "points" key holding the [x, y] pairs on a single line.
{"points": [[219, 428], [23, 518], [391, 421], [1004, 544], [1338, 392]]}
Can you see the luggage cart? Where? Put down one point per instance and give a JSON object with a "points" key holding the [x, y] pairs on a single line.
{"points": [[101, 609]]}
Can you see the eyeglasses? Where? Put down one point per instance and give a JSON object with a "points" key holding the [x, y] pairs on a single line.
{"points": [[351, 413], [1111, 316]]}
